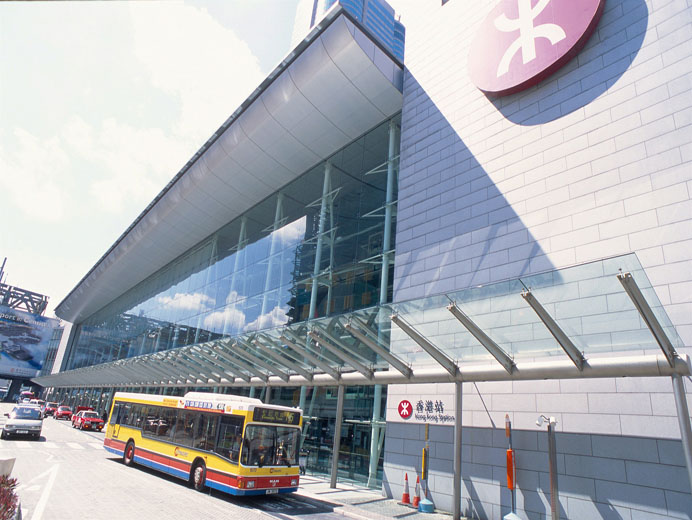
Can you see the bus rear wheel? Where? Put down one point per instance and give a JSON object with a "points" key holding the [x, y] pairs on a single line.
{"points": [[198, 476], [129, 454]]}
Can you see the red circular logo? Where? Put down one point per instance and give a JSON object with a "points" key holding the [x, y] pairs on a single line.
{"points": [[522, 42], [405, 409]]}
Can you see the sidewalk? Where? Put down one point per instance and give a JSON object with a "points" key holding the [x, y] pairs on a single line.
{"points": [[361, 503]]}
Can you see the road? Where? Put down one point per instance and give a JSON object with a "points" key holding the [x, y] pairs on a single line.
{"points": [[67, 474]]}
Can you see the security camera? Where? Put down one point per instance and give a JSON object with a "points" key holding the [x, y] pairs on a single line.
{"points": [[542, 419]]}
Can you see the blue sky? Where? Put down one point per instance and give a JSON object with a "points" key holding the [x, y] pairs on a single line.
{"points": [[101, 103]]}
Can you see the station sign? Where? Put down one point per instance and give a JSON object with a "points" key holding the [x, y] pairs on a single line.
{"points": [[425, 409], [522, 42]]}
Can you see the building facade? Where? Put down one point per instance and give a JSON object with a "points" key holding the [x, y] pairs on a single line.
{"points": [[557, 191], [593, 162]]}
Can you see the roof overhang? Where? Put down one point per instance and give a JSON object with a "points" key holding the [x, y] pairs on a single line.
{"points": [[337, 84]]}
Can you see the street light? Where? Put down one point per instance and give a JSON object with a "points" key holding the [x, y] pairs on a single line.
{"points": [[552, 455]]}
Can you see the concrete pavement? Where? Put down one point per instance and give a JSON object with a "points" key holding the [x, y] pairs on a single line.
{"points": [[361, 503]]}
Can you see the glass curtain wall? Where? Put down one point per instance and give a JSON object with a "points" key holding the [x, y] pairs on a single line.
{"points": [[257, 272]]}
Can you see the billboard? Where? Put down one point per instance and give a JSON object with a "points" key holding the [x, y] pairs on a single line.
{"points": [[24, 340]]}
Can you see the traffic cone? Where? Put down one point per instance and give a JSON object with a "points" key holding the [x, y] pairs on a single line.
{"points": [[416, 499], [406, 497]]}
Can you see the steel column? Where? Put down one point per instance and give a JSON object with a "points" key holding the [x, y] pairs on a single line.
{"points": [[318, 247], [337, 435], [456, 493], [684, 421]]}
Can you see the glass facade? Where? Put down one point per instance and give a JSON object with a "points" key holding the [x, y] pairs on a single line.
{"points": [[52, 351], [313, 249], [257, 272]]}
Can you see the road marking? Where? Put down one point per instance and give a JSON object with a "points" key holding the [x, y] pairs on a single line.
{"points": [[38, 512], [50, 445], [96, 445], [75, 445]]}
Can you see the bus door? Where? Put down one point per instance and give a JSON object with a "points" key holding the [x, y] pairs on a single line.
{"points": [[114, 422]]}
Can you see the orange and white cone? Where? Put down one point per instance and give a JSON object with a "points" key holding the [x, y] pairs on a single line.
{"points": [[406, 497], [416, 498]]}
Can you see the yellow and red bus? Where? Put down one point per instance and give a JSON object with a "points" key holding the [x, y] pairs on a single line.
{"points": [[235, 444]]}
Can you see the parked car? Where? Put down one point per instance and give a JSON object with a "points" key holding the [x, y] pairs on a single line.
{"points": [[87, 420], [63, 412], [23, 420], [49, 408]]}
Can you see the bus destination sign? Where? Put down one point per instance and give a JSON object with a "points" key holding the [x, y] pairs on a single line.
{"points": [[276, 416]]}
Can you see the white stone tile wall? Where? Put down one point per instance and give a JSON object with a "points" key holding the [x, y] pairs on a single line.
{"points": [[596, 161]]}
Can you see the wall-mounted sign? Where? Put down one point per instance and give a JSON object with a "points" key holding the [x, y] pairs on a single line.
{"points": [[522, 42], [405, 409], [427, 409]]}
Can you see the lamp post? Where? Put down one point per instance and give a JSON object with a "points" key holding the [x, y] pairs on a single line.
{"points": [[552, 455]]}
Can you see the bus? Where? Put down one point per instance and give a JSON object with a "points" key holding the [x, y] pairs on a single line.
{"points": [[235, 444]]}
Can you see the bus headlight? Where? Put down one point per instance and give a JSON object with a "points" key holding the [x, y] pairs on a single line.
{"points": [[294, 481], [249, 484]]}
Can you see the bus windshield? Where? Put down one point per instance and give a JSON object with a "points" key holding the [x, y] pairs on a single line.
{"points": [[270, 445]]}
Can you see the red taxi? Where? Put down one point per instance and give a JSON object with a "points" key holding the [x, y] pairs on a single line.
{"points": [[63, 412], [87, 420]]}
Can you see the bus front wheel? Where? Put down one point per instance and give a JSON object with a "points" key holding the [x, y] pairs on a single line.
{"points": [[198, 476], [129, 454]]}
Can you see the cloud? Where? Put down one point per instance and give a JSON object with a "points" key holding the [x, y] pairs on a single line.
{"points": [[193, 57], [228, 319], [32, 175], [117, 144], [187, 302], [293, 232], [274, 318]]}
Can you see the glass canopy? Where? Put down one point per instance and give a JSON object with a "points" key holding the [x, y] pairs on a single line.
{"points": [[575, 314]]}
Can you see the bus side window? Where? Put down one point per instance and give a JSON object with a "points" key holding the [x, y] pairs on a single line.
{"points": [[185, 428], [205, 433]]}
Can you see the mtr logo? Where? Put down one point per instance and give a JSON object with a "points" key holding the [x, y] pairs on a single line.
{"points": [[522, 42], [405, 409]]}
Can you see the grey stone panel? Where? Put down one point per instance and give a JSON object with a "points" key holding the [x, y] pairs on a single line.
{"points": [[638, 449]]}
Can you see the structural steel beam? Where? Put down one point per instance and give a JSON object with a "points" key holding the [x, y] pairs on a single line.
{"points": [[225, 363], [323, 339], [368, 341], [485, 340], [231, 356], [310, 357], [271, 369], [214, 372], [647, 314], [563, 340], [439, 356], [616, 366], [268, 351]]}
